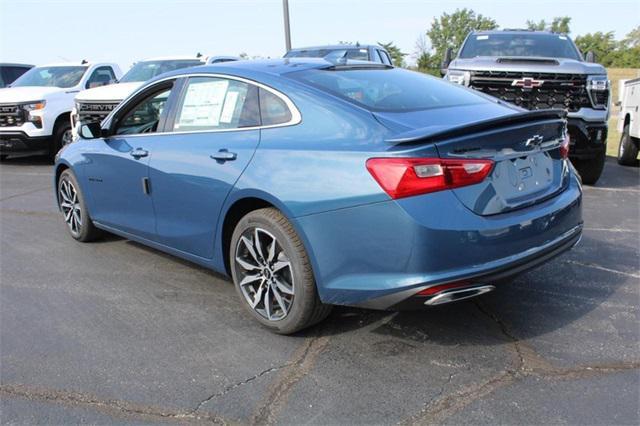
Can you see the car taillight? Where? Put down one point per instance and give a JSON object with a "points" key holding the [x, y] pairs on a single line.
{"points": [[404, 177], [564, 146]]}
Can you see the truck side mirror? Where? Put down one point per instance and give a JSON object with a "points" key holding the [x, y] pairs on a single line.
{"points": [[591, 57], [448, 56]]}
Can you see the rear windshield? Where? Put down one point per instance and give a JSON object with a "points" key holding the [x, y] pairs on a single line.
{"points": [[391, 90], [538, 45], [143, 71], [361, 54]]}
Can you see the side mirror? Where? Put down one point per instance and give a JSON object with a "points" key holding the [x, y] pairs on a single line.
{"points": [[591, 57], [448, 56], [90, 130]]}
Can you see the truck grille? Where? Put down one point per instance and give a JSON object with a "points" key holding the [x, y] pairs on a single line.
{"points": [[11, 115], [89, 112], [564, 91]]}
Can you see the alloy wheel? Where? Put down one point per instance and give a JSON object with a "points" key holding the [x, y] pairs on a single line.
{"points": [[70, 204], [264, 273]]}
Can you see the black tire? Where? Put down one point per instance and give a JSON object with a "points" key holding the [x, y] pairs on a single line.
{"points": [[590, 170], [60, 133], [85, 230], [305, 307], [627, 150], [3, 157]]}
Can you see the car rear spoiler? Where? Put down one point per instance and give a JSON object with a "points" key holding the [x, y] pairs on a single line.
{"points": [[435, 133]]}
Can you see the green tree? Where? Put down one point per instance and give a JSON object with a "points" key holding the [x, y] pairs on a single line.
{"points": [[450, 30], [603, 45], [397, 56], [560, 24]]}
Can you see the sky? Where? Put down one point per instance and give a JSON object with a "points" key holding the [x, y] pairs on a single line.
{"points": [[125, 31]]}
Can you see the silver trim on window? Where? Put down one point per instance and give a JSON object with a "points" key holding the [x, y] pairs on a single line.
{"points": [[296, 117]]}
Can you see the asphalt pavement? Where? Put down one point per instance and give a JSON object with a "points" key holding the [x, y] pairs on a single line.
{"points": [[114, 332]]}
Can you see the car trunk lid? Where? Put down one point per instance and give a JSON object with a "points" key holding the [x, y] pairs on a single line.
{"points": [[526, 150]]}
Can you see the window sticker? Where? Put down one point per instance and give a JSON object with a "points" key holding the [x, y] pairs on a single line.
{"points": [[229, 108], [482, 37], [203, 104]]}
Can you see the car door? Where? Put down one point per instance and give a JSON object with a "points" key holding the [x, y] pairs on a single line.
{"points": [[212, 135], [117, 169]]}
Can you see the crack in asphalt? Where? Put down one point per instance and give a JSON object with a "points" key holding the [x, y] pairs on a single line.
{"points": [[110, 407], [529, 363], [231, 387], [24, 193], [277, 394]]}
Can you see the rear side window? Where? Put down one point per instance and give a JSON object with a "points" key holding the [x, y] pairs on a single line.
{"points": [[392, 90], [273, 109], [210, 103]]}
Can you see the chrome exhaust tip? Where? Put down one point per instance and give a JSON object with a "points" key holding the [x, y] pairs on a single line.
{"points": [[453, 295]]}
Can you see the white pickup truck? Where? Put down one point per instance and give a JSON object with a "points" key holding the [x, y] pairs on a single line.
{"points": [[94, 105], [629, 121], [35, 109]]}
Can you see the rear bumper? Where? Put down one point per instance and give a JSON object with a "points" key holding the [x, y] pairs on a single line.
{"points": [[20, 142], [381, 254]]}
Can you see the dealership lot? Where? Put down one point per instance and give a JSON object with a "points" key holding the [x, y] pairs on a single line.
{"points": [[116, 332]]}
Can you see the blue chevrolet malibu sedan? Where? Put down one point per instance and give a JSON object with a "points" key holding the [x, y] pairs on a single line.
{"points": [[314, 183]]}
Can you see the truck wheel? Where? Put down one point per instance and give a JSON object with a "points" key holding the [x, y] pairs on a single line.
{"points": [[628, 150], [62, 136], [591, 169], [272, 273]]}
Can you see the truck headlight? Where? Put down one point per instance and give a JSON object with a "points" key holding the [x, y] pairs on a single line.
{"points": [[33, 115], [457, 76], [598, 90]]}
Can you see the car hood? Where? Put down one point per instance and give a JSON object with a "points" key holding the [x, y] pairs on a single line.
{"points": [[28, 94], [441, 119], [112, 92], [530, 64]]}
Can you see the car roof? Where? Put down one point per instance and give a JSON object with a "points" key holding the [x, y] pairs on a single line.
{"points": [[515, 31], [175, 58], [279, 66], [15, 64], [338, 47]]}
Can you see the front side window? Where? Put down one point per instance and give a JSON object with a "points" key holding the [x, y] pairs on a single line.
{"points": [[62, 76], [101, 77], [146, 70], [358, 54], [385, 57], [210, 103], [387, 89], [532, 44], [145, 116]]}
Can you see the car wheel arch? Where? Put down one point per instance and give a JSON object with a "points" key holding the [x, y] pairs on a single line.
{"points": [[59, 169], [240, 207]]}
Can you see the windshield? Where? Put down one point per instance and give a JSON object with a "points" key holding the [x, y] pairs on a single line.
{"points": [[388, 89], [63, 77], [143, 71], [539, 45]]}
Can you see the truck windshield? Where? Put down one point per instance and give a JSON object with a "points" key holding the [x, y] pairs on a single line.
{"points": [[143, 71], [63, 77], [537, 45], [387, 89]]}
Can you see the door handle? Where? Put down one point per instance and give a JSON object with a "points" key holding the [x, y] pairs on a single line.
{"points": [[139, 153], [224, 155]]}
